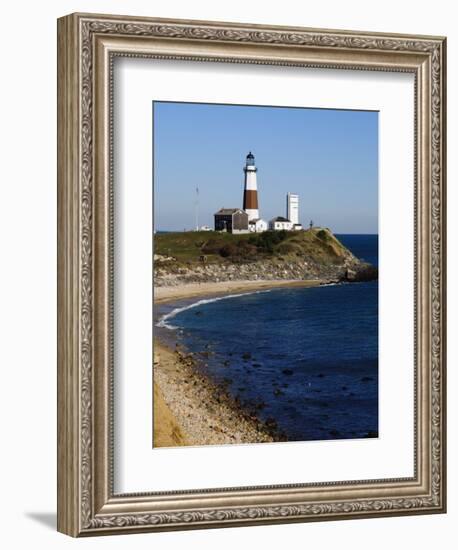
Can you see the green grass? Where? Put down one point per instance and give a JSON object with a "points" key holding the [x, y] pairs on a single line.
{"points": [[189, 246], [318, 244]]}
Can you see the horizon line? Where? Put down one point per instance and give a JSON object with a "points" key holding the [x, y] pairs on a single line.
{"points": [[213, 231]]}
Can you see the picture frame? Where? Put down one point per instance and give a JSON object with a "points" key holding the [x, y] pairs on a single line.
{"points": [[87, 47]]}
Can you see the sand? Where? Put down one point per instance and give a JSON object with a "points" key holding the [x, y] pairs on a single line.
{"points": [[167, 431], [180, 292]]}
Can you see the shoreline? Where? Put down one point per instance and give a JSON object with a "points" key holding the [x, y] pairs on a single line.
{"points": [[164, 294], [191, 410], [188, 408]]}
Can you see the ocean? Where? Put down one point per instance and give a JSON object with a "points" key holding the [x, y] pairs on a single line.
{"points": [[304, 357]]}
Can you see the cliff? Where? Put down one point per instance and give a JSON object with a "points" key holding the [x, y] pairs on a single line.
{"points": [[191, 257]]}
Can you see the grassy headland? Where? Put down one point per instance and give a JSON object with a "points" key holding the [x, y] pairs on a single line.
{"points": [[188, 247], [190, 257]]}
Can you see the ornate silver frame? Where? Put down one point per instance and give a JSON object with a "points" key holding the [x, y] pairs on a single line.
{"points": [[87, 44]]}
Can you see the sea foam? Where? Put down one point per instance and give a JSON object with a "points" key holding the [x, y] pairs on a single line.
{"points": [[164, 320]]}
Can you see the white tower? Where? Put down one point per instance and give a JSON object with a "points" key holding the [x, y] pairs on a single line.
{"points": [[292, 208], [250, 193]]}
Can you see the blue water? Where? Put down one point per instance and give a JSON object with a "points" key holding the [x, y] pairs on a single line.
{"points": [[305, 357], [364, 247]]}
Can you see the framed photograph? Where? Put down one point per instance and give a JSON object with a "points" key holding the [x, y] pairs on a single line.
{"points": [[251, 290]]}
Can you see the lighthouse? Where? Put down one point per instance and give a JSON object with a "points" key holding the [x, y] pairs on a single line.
{"points": [[250, 192]]}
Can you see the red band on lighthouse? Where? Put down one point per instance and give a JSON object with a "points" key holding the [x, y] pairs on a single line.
{"points": [[250, 200]]}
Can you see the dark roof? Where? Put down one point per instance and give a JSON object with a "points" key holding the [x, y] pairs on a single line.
{"points": [[250, 155], [228, 211], [280, 219]]}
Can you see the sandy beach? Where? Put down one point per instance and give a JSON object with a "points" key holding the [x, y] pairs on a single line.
{"points": [[188, 408], [194, 290]]}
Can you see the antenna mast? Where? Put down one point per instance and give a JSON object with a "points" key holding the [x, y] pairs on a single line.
{"points": [[197, 209]]}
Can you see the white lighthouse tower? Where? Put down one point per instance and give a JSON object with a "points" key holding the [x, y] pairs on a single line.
{"points": [[250, 193]]}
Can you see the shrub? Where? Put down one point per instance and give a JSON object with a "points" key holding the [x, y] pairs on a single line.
{"points": [[267, 240], [323, 235], [212, 246], [288, 248], [228, 250], [247, 250]]}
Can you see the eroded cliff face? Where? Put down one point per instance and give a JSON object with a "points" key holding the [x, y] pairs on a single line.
{"points": [[265, 270], [308, 255]]}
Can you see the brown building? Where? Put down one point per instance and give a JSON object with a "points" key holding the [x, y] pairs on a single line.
{"points": [[232, 220]]}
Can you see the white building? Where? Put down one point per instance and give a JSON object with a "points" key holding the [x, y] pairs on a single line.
{"points": [[280, 223], [258, 225], [292, 208]]}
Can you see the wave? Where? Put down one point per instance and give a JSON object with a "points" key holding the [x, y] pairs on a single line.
{"points": [[163, 321]]}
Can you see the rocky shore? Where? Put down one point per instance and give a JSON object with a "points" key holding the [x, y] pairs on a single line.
{"points": [[197, 411], [347, 269]]}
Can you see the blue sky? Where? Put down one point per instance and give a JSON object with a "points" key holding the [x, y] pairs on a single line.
{"points": [[329, 157]]}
